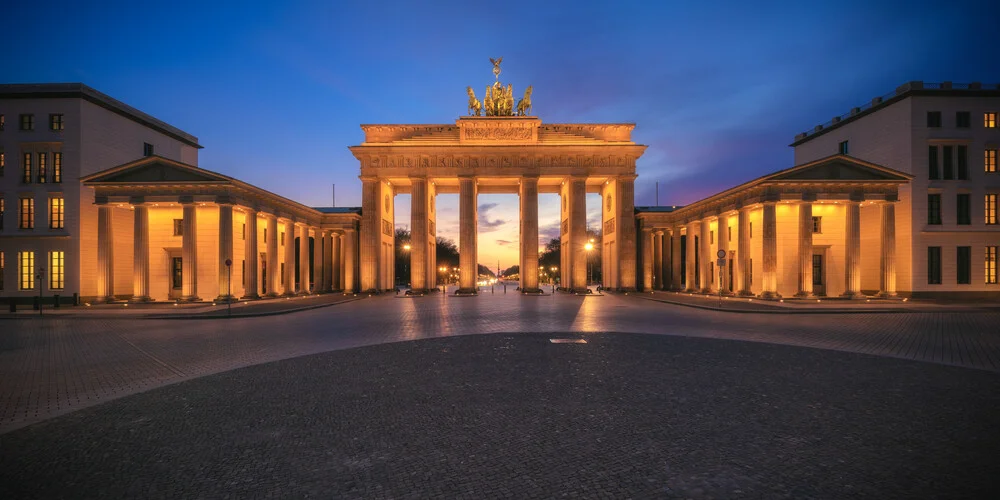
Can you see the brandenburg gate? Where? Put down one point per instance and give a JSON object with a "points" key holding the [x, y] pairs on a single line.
{"points": [[498, 148]]}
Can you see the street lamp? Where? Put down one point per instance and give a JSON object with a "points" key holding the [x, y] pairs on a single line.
{"points": [[406, 262], [553, 282], [589, 247]]}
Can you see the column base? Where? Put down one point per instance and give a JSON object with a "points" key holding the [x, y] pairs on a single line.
{"points": [[803, 295], [192, 298], [887, 295], [581, 291], [852, 295], [467, 291], [744, 293], [707, 291], [770, 295], [250, 296], [144, 298], [532, 291], [626, 289], [417, 291], [225, 298]]}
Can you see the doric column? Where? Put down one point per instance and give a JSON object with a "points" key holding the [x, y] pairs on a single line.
{"points": [[105, 253], [647, 259], [371, 234], [418, 234], [887, 263], [140, 253], [722, 237], [467, 195], [225, 249], [705, 257], [316, 276], [303, 259], [189, 250], [770, 253], [626, 232], [350, 244], [852, 248], [327, 261], [529, 234], [250, 256], [273, 273], [289, 275], [805, 250], [336, 264], [744, 272], [691, 260], [657, 259], [675, 258], [578, 232]]}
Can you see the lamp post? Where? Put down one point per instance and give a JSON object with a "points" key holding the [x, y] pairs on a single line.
{"points": [[406, 262], [41, 277], [444, 279], [554, 269], [229, 294], [589, 247]]}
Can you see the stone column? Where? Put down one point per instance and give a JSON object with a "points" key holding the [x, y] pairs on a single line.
{"points": [[529, 234], [327, 261], [805, 250], [626, 232], [418, 234], [657, 260], [692, 286], [289, 275], [189, 256], [469, 267], [705, 259], [578, 233], [273, 272], [770, 254], [140, 253], [743, 271], [316, 276], [887, 263], [675, 258], [105, 253], [722, 240], [225, 250], [336, 263], [350, 266], [647, 259], [371, 233], [852, 249], [250, 256], [303, 259]]}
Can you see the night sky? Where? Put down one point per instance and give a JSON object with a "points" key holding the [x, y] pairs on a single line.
{"points": [[275, 93]]}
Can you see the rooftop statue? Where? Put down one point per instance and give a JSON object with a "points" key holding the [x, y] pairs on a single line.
{"points": [[499, 100]]}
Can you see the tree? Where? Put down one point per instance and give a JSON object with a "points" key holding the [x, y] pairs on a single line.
{"points": [[447, 253], [550, 256], [402, 264], [511, 271], [485, 271]]}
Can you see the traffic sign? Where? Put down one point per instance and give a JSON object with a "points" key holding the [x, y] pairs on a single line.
{"points": [[721, 254], [720, 262], [229, 262]]}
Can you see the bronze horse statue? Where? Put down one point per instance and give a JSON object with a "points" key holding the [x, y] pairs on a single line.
{"points": [[475, 107], [524, 104]]}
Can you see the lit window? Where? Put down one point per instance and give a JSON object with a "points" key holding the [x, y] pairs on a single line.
{"points": [[991, 265], [56, 270], [990, 161], [56, 206], [962, 119], [26, 261], [933, 119], [27, 215], [57, 167], [843, 148], [43, 165], [2, 208], [178, 227], [27, 122], [817, 225], [55, 122], [3, 122], [26, 166], [2, 269], [990, 120], [991, 208], [147, 149], [3, 162]]}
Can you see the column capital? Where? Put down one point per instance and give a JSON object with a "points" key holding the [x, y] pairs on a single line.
{"points": [[627, 177], [856, 197], [185, 200], [808, 197], [418, 177], [136, 200], [891, 197], [224, 200], [101, 200], [368, 178]]}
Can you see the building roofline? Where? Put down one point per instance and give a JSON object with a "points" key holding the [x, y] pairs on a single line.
{"points": [[913, 88], [81, 91]]}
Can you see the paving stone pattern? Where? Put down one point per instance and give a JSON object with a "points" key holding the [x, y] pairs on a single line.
{"points": [[514, 416]]}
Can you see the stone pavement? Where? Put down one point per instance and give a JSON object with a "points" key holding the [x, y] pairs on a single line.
{"points": [[514, 416]]}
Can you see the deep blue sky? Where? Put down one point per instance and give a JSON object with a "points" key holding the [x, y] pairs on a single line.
{"points": [[275, 93]]}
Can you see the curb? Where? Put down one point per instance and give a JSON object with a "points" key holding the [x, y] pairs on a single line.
{"points": [[810, 311], [187, 317]]}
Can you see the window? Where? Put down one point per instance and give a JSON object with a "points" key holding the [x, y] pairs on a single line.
{"points": [[26, 164], [963, 162], [178, 227], [818, 225], [751, 229], [932, 163], [27, 270], [991, 265], [282, 240], [243, 272], [56, 206], [934, 209], [3, 122], [244, 235], [949, 170], [843, 149], [3, 162], [147, 149], [55, 122], [2, 208], [56, 270], [711, 237], [176, 272], [963, 212], [990, 120], [282, 273], [962, 119], [934, 119], [990, 160], [750, 271], [933, 265], [27, 122], [1, 269], [27, 213], [990, 215], [265, 235], [964, 263], [43, 165], [56, 167]]}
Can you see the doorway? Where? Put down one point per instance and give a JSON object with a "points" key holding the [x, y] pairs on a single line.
{"points": [[176, 274], [819, 273]]}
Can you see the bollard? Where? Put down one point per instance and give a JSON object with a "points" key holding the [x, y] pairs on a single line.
{"points": [[76, 299], [55, 300]]}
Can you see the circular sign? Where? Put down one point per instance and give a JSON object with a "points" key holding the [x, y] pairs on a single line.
{"points": [[229, 262], [721, 254]]}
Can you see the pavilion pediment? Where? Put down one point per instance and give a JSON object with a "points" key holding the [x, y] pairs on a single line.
{"points": [[155, 169], [839, 168]]}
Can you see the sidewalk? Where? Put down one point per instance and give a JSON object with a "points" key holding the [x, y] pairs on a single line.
{"points": [[810, 306], [189, 310]]}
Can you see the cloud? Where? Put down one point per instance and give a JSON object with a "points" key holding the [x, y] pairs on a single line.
{"points": [[504, 242], [485, 224], [549, 232]]}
